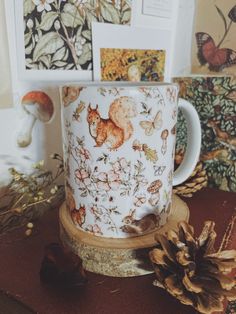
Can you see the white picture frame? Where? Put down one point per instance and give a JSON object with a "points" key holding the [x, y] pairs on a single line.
{"points": [[124, 37], [71, 28], [40, 75]]}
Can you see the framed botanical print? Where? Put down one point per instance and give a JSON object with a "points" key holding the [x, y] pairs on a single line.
{"points": [[54, 40]]}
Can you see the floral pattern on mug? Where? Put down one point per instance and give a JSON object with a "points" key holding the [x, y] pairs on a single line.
{"points": [[83, 178], [171, 94], [108, 181], [94, 229], [105, 215]]}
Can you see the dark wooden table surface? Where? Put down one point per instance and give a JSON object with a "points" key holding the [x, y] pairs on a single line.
{"points": [[20, 260]]}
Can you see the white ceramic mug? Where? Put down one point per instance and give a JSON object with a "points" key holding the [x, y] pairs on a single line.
{"points": [[119, 144]]}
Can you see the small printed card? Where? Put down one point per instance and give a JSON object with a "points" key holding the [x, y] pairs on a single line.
{"points": [[160, 8], [122, 53]]}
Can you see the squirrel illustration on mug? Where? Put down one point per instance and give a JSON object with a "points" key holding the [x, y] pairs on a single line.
{"points": [[139, 226], [118, 128]]}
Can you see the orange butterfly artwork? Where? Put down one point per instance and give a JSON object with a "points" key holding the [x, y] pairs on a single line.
{"points": [[214, 54], [216, 58]]}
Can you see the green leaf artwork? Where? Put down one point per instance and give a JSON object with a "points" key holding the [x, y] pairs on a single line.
{"points": [[215, 101], [58, 32]]}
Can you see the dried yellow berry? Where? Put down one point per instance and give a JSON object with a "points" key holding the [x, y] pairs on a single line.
{"points": [[30, 225], [28, 232]]}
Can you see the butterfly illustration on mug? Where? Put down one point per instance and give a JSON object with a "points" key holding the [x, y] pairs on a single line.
{"points": [[152, 125], [158, 170], [212, 54]]}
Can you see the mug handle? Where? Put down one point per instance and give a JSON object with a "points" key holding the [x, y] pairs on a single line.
{"points": [[193, 142]]}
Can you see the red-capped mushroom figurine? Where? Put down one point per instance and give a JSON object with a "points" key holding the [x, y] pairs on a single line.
{"points": [[36, 105]]}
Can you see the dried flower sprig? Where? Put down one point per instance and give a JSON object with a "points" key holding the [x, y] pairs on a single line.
{"points": [[28, 190]]}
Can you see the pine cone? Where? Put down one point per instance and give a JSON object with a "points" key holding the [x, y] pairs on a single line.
{"points": [[195, 182], [190, 270], [60, 267]]}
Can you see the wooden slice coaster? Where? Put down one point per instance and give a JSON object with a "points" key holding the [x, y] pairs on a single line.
{"points": [[117, 257]]}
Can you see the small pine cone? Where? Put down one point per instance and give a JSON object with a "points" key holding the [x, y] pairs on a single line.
{"points": [[190, 269], [60, 267], [194, 183]]}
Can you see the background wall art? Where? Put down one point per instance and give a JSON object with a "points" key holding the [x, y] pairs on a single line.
{"points": [[125, 38], [132, 65], [57, 33], [215, 100], [44, 140], [214, 44]]}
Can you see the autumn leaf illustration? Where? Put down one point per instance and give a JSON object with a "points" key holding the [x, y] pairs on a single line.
{"points": [[150, 154]]}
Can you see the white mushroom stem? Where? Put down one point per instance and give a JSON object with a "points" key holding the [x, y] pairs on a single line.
{"points": [[164, 146], [24, 137]]}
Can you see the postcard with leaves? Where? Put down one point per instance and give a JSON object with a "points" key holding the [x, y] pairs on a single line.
{"points": [[133, 65], [120, 55], [214, 44], [56, 34]]}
